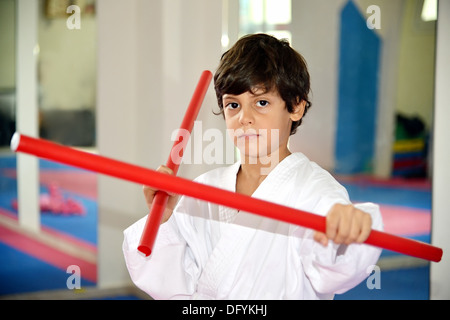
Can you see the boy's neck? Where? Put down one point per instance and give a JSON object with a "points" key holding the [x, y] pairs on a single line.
{"points": [[253, 171]]}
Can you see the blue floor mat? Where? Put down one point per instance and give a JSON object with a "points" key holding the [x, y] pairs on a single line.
{"points": [[20, 273], [420, 199]]}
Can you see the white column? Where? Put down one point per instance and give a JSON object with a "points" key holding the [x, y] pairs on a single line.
{"points": [[439, 272], [27, 112], [150, 57]]}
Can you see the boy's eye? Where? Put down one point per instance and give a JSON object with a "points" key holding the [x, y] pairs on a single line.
{"points": [[262, 103], [232, 105]]}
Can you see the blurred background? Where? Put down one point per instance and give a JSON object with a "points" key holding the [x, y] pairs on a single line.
{"points": [[114, 77]]}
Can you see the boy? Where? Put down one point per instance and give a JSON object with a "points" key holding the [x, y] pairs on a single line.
{"points": [[206, 251]]}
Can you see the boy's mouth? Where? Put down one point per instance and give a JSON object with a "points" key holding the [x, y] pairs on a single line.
{"points": [[250, 135]]}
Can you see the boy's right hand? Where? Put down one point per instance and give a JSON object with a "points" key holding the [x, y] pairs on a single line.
{"points": [[150, 192]]}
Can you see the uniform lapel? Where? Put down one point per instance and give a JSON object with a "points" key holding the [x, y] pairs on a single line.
{"points": [[237, 228]]}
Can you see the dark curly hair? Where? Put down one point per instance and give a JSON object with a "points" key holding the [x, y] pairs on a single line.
{"points": [[262, 60]]}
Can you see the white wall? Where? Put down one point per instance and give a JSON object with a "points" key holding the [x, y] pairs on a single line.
{"points": [[439, 272], [150, 57], [315, 34], [417, 56]]}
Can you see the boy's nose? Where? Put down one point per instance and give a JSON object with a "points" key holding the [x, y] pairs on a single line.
{"points": [[246, 116]]}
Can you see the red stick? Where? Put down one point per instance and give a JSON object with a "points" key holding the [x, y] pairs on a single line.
{"points": [[52, 151], [160, 200]]}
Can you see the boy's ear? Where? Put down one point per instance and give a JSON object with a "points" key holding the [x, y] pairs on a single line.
{"points": [[298, 111]]}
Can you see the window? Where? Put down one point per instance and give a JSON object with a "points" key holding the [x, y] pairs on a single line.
{"points": [[266, 16]]}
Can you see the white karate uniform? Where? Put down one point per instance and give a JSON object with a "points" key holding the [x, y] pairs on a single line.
{"points": [[206, 251]]}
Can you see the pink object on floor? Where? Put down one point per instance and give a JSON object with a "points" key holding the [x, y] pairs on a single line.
{"points": [[55, 203]]}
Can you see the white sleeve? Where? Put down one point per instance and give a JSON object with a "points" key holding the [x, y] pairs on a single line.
{"points": [[170, 272], [338, 268]]}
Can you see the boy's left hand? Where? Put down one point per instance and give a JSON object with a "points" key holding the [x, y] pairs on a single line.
{"points": [[345, 225]]}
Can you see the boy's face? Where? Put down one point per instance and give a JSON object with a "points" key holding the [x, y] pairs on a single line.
{"points": [[259, 123]]}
